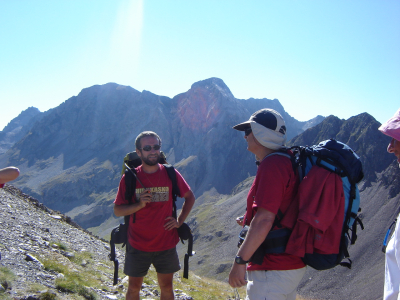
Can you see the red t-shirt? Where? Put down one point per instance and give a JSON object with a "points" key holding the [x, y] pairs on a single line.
{"points": [[148, 233], [274, 187], [1, 185]]}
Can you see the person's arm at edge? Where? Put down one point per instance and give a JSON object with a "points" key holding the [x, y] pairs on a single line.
{"points": [[8, 174], [260, 226]]}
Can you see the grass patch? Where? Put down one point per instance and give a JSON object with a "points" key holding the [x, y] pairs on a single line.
{"points": [[6, 277], [199, 288], [74, 284], [60, 245], [52, 265], [80, 257], [75, 281], [207, 289], [48, 296], [36, 287]]}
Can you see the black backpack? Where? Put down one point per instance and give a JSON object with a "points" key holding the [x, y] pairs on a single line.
{"points": [[119, 235]]}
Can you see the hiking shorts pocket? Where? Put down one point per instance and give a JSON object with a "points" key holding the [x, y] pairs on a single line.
{"points": [[137, 263]]}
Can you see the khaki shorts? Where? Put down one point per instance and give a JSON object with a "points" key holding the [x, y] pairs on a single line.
{"points": [[137, 262], [273, 285]]}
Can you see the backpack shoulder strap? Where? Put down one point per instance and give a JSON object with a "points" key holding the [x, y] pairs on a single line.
{"points": [[130, 187], [175, 189]]}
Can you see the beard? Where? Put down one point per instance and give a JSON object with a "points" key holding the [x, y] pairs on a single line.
{"points": [[151, 161]]}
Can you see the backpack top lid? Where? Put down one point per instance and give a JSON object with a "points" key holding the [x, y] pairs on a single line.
{"points": [[340, 155], [133, 160]]}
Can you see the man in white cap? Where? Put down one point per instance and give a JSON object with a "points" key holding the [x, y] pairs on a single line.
{"points": [[272, 191], [392, 262]]}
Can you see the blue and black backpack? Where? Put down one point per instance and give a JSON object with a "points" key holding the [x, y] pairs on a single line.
{"points": [[336, 157]]}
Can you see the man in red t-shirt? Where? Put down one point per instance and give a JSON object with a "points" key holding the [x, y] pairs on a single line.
{"points": [[152, 238], [273, 189]]}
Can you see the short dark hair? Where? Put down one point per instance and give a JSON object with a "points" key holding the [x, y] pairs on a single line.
{"points": [[145, 134]]}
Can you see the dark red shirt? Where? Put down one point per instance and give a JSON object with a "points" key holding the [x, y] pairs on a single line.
{"points": [[148, 233], [274, 188]]}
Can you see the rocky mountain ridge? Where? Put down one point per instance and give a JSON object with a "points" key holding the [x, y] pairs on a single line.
{"points": [[70, 157]]}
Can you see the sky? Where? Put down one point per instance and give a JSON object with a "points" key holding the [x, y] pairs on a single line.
{"points": [[319, 57]]}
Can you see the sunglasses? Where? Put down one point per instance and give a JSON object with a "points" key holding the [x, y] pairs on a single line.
{"points": [[247, 131], [148, 147]]}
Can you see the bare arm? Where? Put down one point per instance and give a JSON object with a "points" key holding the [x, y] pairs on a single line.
{"points": [[186, 208], [8, 174], [260, 226]]}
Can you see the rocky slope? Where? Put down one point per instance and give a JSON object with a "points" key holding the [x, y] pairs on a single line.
{"points": [[45, 255]]}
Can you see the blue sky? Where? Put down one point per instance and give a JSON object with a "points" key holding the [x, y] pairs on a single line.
{"points": [[316, 57]]}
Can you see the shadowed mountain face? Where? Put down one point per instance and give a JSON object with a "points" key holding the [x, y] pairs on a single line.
{"points": [[70, 158]]}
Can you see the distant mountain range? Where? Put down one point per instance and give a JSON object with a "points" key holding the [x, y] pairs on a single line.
{"points": [[70, 156], [70, 159]]}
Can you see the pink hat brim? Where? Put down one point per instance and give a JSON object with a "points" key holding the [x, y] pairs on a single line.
{"points": [[392, 126]]}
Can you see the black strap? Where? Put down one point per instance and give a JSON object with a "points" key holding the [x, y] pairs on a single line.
{"points": [[347, 263], [175, 189], [175, 192], [128, 184], [130, 188], [187, 255]]}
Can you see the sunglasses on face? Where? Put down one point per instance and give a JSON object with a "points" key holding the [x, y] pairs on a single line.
{"points": [[148, 147], [247, 131]]}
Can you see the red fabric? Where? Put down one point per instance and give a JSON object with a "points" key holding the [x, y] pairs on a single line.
{"points": [[1, 185], [318, 208], [148, 233], [274, 188]]}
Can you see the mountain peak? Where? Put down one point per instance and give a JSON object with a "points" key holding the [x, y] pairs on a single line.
{"points": [[213, 83]]}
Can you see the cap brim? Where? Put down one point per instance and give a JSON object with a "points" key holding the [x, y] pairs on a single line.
{"points": [[242, 126]]}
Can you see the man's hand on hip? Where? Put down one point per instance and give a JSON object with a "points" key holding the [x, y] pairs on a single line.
{"points": [[171, 223]]}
